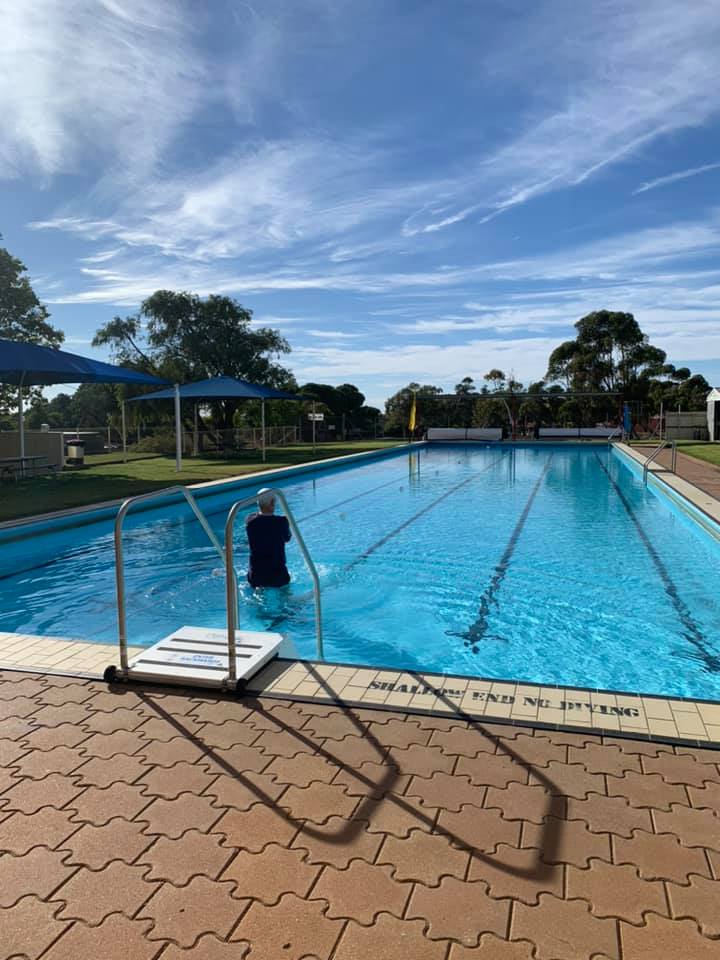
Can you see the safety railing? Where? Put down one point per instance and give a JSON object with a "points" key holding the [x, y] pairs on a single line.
{"points": [[673, 457], [231, 588], [616, 431], [120, 564]]}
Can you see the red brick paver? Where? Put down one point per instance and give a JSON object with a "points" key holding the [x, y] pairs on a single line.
{"points": [[154, 824]]}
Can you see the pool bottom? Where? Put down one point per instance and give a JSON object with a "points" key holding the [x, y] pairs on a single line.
{"points": [[694, 723]]}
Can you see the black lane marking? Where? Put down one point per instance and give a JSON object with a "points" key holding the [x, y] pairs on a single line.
{"points": [[477, 631], [693, 633], [341, 503]]}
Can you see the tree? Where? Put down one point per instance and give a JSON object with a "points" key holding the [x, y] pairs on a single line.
{"points": [[22, 317], [429, 412], [466, 392], [184, 337]]}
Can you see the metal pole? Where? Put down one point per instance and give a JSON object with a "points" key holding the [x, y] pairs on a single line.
{"points": [[661, 419], [195, 431], [124, 430], [178, 431], [262, 421], [21, 423], [313, 423]]}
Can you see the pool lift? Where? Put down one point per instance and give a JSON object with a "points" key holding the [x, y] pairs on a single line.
{"points": [[200, 656]]}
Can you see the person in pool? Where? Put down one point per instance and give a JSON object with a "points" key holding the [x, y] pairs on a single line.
{"points": [[267, 536]]}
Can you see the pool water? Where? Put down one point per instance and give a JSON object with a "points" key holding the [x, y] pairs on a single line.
{"points": [[549, 564]]}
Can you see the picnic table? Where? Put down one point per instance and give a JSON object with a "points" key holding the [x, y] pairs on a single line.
{"points": [[25, 466]]}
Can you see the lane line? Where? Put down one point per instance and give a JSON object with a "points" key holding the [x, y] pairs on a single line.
{"points": [[477, 631], [693, 634]]}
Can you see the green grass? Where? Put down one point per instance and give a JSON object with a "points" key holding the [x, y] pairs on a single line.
{"points": [[112, 481]]}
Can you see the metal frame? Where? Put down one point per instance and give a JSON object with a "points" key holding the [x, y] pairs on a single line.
{"points": [[119, 560], [656, 451], [231, 584]]}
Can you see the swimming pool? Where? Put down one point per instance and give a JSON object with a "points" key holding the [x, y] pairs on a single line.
{"points": [[546, 563]]}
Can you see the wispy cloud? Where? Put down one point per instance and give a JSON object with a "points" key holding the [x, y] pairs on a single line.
{"points": [[674, 177]]}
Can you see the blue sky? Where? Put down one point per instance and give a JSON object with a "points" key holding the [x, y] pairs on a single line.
{"points": [[407, 190]]}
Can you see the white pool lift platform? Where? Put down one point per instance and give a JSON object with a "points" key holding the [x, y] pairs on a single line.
{"points": [[203, 656]]}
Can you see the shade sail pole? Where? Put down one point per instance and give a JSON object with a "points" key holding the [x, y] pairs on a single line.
{"points": [[195, 431], [21, 421], [262, 423], [124, 430], [178, 431]]}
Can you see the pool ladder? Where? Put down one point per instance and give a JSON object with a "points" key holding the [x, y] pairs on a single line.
{"points": [[660, 447], [198, 655]]}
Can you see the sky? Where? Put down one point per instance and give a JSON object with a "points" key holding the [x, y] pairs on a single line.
{"points": [[407, 190]]}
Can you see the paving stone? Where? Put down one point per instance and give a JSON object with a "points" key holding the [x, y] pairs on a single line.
{"points": [[229, 734], [336, 726], [446, 792], [253, 829], [456, 910], [646, 790], [54, 790], [173, 817], [59, 694], [682, 769], [597, 757], [492, 948], [183, 914], [29, 928], [177, 705], [420, 761], [217, 710], [714, 859], [17, 707], [388, 939], [616, 891], [21, 729], [660, 857], [99, 721], [661, 937], [463, 741], [37, 872], [398, 734], [609, 815], [694, 828], [242, 791], [161, 729], [302, 770], [567, 739], [480, 830], [95, 847], [565, 930], [48, 827], [102, 772], [92, 895], [361, 892], [568, 780], [317, 802], [170, 783], [353, 751], [117, 938], [423, 857], [520, 874], [47, 738], [266, 876], [72, 713], [166, 754], [521, 802], [527, 750], [702, 755], [338, 842], [10, 752], [396, 815], [19, 685], [208, 947], [111, 744], [566, 841], [39, 763], [372, 780], [492, 770], [698, 901], [707, 798], [282, 743], [295, 929], [192, 854], [119, 696], [99, 805]]}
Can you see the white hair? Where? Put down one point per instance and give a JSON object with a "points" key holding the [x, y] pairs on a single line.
{"points": [[265, 497]]}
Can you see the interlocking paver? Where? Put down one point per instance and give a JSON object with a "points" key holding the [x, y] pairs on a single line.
{"points": [[242, 791], [110, 744], [100, 721], [706, 798], [335, 726], [232, 733], [268, 875], [95, 847], [46, 738], [47, 827], [182, 914], [29, 928], [464, 741], [373, 780], [98, 805], [168, 753], [338, 842], [423, 857], [698, 901], [492, 770], [396, 815], [519, 801], [11, 752], [116, 938], [695, 828], [565, 930], [104, 771], [361, 892], [456, 910], [568, 780], [566, 841], [398, 734], [317, 802], [480, 830], [446, 792], [609, 814], [217, 710], [17, 707], [92, 895], [295, 929], [173, 817], [354, 751], [660, 857], [39, 763], [37, 872], [55, 790], [616, 891], [681, 768], [19, 728], [387, 939], [192, 854], [533, 751], [420, 761], [520, 874], [72, 713], [208, 947], [162, 729], [302, 770], [253, 829], [181, 778], [604, 758], [59, 693], [492, 948], [282, 743], [661, 937], [646, 790]]}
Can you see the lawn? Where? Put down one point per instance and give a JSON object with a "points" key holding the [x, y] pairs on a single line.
{"points": [[113, 481]]}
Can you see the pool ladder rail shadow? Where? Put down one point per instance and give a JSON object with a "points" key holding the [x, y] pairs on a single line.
{"points": [[199, 656]]}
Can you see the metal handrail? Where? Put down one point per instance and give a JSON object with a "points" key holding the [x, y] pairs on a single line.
{"points": [[232, 599], [656, 451], [617, 429], [119, 565]]}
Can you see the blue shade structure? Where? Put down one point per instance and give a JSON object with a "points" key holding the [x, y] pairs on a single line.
{"points": [[29, 364]]}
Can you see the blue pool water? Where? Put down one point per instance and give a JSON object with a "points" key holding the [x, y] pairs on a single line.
{"points": [[548, 564]]}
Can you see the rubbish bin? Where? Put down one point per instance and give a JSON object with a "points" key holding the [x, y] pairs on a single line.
{"points": [[76, 452]]}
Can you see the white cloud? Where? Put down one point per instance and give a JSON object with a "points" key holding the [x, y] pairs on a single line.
{"points": [[674, 177]]}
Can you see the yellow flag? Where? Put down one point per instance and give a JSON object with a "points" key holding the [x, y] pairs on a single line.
{"points": [[413, 410]]}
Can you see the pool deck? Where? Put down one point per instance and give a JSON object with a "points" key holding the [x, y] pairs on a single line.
{"points": [[155, 824]]}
